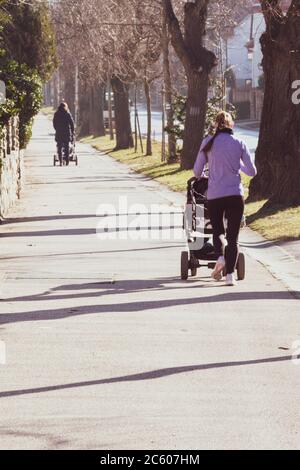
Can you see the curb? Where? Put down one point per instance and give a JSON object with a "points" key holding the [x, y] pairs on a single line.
{"points": [[276, 259]]}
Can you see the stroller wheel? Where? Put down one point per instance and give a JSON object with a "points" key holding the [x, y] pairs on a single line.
{"points": [[193, 265], [76, 160], [241, 267], [194, 272], [184, 265], [54, 160]]}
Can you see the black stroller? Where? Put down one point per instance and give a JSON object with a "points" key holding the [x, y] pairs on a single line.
{"points": [[73, 158], [193, 259]]}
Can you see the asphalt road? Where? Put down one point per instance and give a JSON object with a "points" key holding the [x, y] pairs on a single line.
{"points": [[249, 136], [106, 348]]}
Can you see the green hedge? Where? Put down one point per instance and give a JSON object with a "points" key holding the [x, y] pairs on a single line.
{"points": [[24, 96]]}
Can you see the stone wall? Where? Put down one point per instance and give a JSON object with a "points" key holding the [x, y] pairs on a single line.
{"points": [[11, 166]]}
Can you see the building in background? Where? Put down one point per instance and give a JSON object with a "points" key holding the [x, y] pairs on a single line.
{"points": [[244, 51], [244, 58]]}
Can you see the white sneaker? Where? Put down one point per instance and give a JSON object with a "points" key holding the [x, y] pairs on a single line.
{"points": [[217, 273], [230, 280]]}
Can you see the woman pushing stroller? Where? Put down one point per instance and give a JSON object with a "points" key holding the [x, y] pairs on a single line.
{"points": [[226, 157], [64, 131]]}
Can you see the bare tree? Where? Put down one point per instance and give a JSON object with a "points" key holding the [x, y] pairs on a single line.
{"points": [[168, 87], [198, 62], [82, 41]]}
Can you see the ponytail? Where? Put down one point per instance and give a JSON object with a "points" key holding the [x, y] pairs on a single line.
{"points": [[210, 144], [223, 121]]}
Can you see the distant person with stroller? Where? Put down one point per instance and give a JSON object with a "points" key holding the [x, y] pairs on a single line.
{"points": [[226, 157], [64, 127]]}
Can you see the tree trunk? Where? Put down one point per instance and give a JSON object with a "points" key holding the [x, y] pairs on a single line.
{"points": [[198, 63], [278, 152], [122, 114], [97, 127], [110, 111], [83, 117], [90, 93], [76, 97], [195, 118], [69, 93], [168, 90], [57, 89], [149, 118]]}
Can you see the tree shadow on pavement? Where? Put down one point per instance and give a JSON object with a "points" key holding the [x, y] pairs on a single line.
{"points": [[91, 253], [45, 218], [88, 231], [103, 288], [49, 218], [49, 233], [139, 306], [86, 180], [152, 375]]}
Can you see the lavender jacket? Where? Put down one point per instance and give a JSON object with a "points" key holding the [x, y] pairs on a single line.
{"points": [[227, 158]]}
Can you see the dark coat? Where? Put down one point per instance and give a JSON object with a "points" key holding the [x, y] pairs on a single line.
{"points": [[64, 126]]}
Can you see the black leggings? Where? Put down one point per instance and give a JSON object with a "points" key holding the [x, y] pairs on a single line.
{"points": [[231, 208]]}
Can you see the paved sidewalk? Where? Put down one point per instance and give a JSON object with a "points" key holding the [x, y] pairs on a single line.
{"points": [[106, 348]]}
